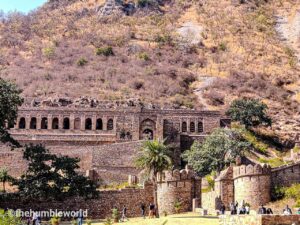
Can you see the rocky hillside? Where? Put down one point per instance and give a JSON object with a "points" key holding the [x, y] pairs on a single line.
{"points": [[180, 53]]}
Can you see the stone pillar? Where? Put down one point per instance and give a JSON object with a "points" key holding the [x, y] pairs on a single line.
{"points": [[49, 122], [72, 121], [60, 122], [82, 118], [38, 122], [188, 121], [104, 121], [27, 119], [94, 122], [115, 123]]}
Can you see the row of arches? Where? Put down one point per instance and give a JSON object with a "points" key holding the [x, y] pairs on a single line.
{"points": [[66, 124], [200, 129]]}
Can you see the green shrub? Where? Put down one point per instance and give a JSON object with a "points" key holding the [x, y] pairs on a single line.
{"points": [[277, 193], [106, 51], [293, 192], [210, 180], [115, 215], [48, 52], [274, 162], [108, 221], [144, 56], [8, 218], [223, 46], [177, 206], [82, 62]]}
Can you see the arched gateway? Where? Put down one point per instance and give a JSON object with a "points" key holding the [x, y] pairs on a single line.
{"points": [[147, 129]]}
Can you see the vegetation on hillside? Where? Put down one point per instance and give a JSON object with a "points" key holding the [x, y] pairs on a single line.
{"points": [[144, 54], [217, 151]]}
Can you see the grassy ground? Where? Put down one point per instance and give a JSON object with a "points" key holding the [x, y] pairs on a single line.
{"points": [[182, 219]]}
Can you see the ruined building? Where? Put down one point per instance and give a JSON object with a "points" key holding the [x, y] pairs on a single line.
{"points": [[105, 138]]}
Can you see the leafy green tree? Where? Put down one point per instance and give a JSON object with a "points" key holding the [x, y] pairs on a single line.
{"points": [[154, 158], [52, 177], [249, 112], [5, 177], [10, 100], [219, 149], [8, 218]]}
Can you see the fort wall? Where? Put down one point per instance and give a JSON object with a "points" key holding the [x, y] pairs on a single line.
{"points": [[177, 186], [286, 175], [252, 184], [97, 208]]}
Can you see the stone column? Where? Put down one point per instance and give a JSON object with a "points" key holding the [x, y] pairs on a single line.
{"points": [[115, 123], [72, 121], [104, 120], [38, 122], [188, 121], [49, 122], [27, 119], [60, 122], [82, 118], [94, 122]]}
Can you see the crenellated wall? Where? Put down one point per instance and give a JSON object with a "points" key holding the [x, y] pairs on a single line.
{"points": [[252, 184], [178, 186]]}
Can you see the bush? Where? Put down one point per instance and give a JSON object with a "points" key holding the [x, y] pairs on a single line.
{"points": [[8, 218], [177, 206], [106, 51], [144, 56], [223, 46], [277, 193], [82, 62], [49, 52], [115, 215], [293, 192]]}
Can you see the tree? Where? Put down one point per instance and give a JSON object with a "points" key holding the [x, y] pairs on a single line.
{"points": [[5, 177], [250, 112], [154, 158], [52, 177], [10, 100], [219, 149]]}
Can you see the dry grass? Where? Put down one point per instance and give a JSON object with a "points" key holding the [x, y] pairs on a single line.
{"points": [[239, 46]]}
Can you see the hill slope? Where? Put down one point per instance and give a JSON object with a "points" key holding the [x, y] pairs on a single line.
{"points": [[182, 53]]}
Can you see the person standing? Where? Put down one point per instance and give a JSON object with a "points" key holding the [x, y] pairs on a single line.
{"points": [[287, 210], [151, 210], [124, 211], [34, 218], [143, 209], [247, 209], [262, 210], [222, 209]]}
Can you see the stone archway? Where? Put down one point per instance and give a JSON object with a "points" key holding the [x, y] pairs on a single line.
{"points": [[147, 129]]}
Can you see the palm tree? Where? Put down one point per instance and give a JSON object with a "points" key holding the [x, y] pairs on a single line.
{"points": [[154, 158], [5, 177]]}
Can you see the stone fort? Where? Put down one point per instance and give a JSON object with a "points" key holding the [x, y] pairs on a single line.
{"points": [[106, 138], [105, 135]]}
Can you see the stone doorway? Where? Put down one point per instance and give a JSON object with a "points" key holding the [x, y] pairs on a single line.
{"points": [[147, 129]]}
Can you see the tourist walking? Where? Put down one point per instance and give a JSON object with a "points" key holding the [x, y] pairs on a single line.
{"points": [[124, 211], [143, 210], [287, 211]]}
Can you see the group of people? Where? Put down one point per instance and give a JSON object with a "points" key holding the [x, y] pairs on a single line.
{"points": [[152, 212], [236, 209]]}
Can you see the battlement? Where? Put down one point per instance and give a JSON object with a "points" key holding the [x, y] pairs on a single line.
{"points": [[250, 170], [177, 175]]}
